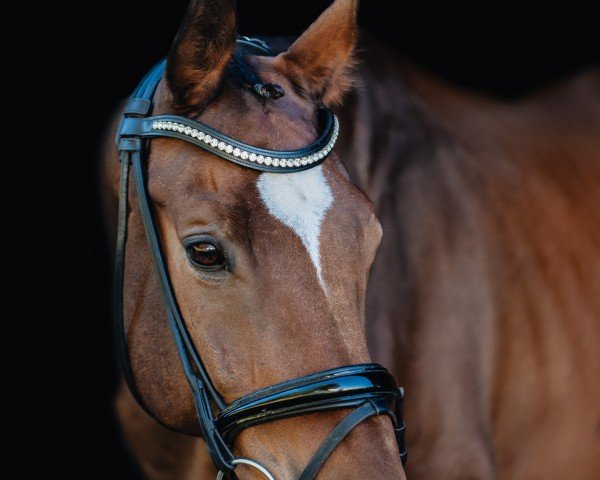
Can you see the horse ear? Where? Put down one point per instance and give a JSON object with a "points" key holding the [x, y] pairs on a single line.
{"points": [[321, 60], [201, 50]]}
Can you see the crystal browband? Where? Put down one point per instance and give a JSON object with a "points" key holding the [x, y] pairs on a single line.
{"points": [[267, 158], [278, 161]]}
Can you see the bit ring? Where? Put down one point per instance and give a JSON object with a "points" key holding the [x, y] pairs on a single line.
{"points": [[251, 463]]}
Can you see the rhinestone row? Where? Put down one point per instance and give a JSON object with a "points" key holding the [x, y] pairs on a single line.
{"points": [[244, 155]]}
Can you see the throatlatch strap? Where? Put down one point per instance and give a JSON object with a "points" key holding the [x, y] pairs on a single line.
{"points": [[119, 280]]}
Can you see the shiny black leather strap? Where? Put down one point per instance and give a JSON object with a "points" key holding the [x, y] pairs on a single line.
{"points": [[255, 45], [228, 148], [335, 437], [203, 391], [368, 388], [345, 387], [119, 278], [202, 388], [139, 105]]}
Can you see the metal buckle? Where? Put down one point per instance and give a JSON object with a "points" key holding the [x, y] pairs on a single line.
{"points": [[256, 43], [251, 463]]}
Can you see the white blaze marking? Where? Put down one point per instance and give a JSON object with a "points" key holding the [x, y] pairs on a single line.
{"points": [[299, 200]]}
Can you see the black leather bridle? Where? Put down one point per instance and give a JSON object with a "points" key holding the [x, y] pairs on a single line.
{"points": [[368, 389]]}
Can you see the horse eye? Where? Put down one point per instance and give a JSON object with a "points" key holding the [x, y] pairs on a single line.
{"points": [[206, 255]]}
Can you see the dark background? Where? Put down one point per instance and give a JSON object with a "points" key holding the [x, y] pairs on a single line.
{"points": [[502, 50]]}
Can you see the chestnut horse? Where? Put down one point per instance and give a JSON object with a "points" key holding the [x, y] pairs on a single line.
{"points": [[484, 297]]}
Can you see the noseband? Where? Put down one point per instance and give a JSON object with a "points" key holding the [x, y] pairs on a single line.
{"points": [[367, 389]]}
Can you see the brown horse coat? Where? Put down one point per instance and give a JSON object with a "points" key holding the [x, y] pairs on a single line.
{"points": [[484, 297], [485, 294]]}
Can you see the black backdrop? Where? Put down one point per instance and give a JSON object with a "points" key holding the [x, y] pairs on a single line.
{"points": [[500, 50]]}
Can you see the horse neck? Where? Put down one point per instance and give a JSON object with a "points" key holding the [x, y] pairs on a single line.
{"points": [[476, 198], [400, 147]]}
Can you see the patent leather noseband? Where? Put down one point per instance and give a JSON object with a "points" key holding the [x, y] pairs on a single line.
{"points": [[367, 389]]}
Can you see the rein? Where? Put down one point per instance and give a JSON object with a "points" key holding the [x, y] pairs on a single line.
{"points": [[369, 389]]}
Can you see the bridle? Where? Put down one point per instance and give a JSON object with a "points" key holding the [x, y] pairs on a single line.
{"points": [[368, 389]]}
